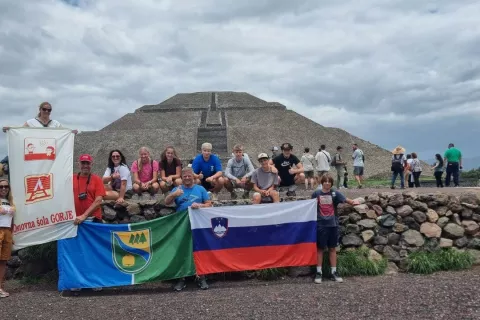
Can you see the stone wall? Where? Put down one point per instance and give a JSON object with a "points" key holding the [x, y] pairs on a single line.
{"points": [[392, 225]]}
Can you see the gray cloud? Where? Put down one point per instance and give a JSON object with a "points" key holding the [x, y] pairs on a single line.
{"points": [[391, 72]]}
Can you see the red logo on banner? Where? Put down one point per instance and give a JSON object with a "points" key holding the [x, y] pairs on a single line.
{"points": [[39, 149], [38, 188]]}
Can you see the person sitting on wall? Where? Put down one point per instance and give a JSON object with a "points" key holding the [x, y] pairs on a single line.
{"points": [[289, 169], [208, 170], [265, 180], [188, 195], [117, 178], [238, 172], [169, 168], [145, 173]]}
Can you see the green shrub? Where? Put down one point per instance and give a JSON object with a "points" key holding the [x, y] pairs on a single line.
{"points": [[354, 263], [424, 262]]}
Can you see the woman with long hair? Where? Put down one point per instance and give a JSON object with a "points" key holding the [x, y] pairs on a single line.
{"points": [[170, 169], [438, 170], [145, 173], [7, 210], [117, 178], [416, 169]]}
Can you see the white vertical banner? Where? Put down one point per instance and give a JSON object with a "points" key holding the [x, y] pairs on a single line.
{"points": [[41, 170]]}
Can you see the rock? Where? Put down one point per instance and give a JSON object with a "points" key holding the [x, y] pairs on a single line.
{"points": [[367, 223], [14, 262], [419, 216], [403, 253], [9, 273], [474, 244], [384, 231], [166, 211], [449, 213], [441, 211], [383, 203], [361, 208], [475, 254], [476, 217], [367, 235], [371, 214], [453, 231], [403, 264], [343, 220], [431, 244], [352, 228], [417, 205], [373, 198], [391, 254], [378, 248], [392, 269], [467, 213], [344, 209], [410, 194], [23, 254], [432, 204], [411, 223], [352, 240], [442, 222], [446, 243], [455, 207], [360, 200], [134, 209], [391, 210], [456, 219], [470, 206], [387, 220], [385, 195], [469, 197], [374, 255], [378, 210], [393, 238], [137, 218], [295, 272], [379, 240], [404, 210], [149, 213], [441, 198], [471, 227], [354, 217], [109, 213], [413, 238], [461, 243], [424, 197], [432, 215], [399, 227], [431, 230], [396, 200]]}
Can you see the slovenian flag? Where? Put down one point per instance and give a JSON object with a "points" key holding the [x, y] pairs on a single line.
{"points": [[239, 238]]}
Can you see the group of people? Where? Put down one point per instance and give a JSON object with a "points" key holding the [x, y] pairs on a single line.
{"points": [[408, 167]]}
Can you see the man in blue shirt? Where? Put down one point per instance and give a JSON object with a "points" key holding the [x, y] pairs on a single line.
{"points": [[207, 170]]}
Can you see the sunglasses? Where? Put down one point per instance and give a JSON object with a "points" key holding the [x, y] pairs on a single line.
{"points": [[4, 187], [47, 109], [115, 157], [85, 163]]}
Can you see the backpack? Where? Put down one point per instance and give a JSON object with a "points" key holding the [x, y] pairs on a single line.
{"points": [[334, 160], [397, 162]]}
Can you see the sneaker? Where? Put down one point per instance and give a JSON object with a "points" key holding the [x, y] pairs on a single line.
{"points": [[233, 195], [392, 187], [202, 283], [291, 194], [360, 187], [335, 277], [180, 285], [318, 277]]}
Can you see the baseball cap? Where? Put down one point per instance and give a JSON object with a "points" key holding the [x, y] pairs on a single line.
{"points": [[286, 146], [86, 158], [275, 149], [262, 156]]}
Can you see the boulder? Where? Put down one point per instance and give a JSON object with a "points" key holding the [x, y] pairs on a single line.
{"points": [[354, 217], [431, 244], [367, 235], [410, 194], [432, 215], [470, 206], [373, 198], [442, 222], [371, 214], [411, 223], [134, 209], [453, 231], [14, 262], [109, 213], [449, 213], [446, 243], [392, 269], [396, 200], [386, 195], [391, 254], [466, 213], [352, 240], [166, 211], [432, 204], [441, 211], [461, 242], [475, 254], [431, 230], [344, 209], [476, 217], [137, 218], [391, 210], [413, 238], [399, 228], [374, 255], [393, 238], [378, 210], [352, 228], [379, 248], [149, 213], [474, 244], [471, 227], [441, 198], [387, 220], [424, 197], [456, 219], [379, 240], [455, 207], [384, 231], [367, 223], [469, 197], [361, 208], [419, 216], [417, 205], [360, 200], [404, 210]]}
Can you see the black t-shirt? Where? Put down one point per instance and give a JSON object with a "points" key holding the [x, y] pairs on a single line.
{"points": [[283, 165]]}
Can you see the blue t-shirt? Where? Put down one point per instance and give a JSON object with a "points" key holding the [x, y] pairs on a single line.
{"points": [[327, 203], [191, 195], [207, 168]]}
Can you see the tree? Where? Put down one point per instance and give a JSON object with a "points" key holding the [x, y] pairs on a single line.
{"points": [[143, 239], [132, 239]]}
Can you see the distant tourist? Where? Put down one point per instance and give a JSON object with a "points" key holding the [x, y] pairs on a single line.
{"points": [[340, 166], [416, 169], [207, 168], [145, 173], [408, 172], [328, 224], [238, 173], [274, 152], [358, 164], [290, 170], [188, 195], [265, 180], [438, 170], [308, 162], [117, 178], [7, 211], [323, 160], [398, 164], [169, 169], [453, 160], [345, 177]]}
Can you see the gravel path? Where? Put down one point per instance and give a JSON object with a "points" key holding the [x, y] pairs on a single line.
{"points": [[444, 295]]}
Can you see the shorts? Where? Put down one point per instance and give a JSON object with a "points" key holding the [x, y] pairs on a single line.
{"points": [[287, 181], [207, 185], [236, 185], [321, 173], [327, 237], [6, 243], [309, 174], [358, 171]]}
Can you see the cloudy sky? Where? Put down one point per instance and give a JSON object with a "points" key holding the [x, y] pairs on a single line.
{"points": [[392, 72]]}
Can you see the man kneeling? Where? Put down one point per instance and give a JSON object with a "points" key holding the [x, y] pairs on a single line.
{"points": [[265, 179], [238, 172]]}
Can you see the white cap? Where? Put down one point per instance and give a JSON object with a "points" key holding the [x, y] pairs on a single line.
{"points": [[262, 156]]}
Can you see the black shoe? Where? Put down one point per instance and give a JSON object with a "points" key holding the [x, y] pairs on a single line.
{"points": [[392, 187], [202, 283], [318, 278], [336, 277], [180, 285]]}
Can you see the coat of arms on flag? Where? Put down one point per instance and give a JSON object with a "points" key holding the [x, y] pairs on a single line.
{"points": [[219, 226], [131, 250]]}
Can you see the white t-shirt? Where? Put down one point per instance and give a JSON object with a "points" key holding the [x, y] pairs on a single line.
{"points": [[307, 162], [35, 123], [5, 218], [323, 159], [124, 174]]}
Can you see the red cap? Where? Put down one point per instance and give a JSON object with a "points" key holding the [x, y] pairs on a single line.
{"points": [[85, 157]]}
